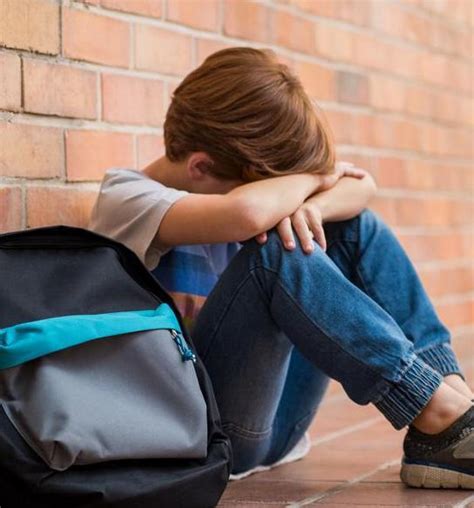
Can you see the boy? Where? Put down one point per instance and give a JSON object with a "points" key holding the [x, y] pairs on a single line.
{"points": [[284, 277]]}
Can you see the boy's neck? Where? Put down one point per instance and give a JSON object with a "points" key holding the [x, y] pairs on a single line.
{"points": [[171, 174]]}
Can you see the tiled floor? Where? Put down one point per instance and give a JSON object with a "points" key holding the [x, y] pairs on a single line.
{"points": [[354, 461]]}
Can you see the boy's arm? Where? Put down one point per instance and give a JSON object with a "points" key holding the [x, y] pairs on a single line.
{"points": [[238, 215], [346, 199]]}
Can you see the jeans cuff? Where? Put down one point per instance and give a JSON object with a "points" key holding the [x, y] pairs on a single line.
{"points": [[442, 359], [406, 399]]}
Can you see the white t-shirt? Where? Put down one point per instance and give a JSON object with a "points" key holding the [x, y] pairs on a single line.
{"points": [[129, 209]]}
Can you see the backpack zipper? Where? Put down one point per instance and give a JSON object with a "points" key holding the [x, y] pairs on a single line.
{"points": [[186, 353]]}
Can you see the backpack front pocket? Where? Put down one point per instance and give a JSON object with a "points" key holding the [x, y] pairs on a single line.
{"points": [[88, 389]]}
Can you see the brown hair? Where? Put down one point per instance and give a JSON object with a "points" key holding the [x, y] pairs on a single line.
{"points": [[251, 115]]}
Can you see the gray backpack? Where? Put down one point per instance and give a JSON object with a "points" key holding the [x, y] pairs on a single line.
{"points": [[103, 401]]}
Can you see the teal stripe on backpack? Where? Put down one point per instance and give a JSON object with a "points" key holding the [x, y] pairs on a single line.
{"points": [[27, 341]]}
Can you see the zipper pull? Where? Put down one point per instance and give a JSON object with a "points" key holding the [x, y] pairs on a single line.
{"points": [[186, 353]]}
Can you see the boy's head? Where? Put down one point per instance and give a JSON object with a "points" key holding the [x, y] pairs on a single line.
{"points": [[251, 115]]}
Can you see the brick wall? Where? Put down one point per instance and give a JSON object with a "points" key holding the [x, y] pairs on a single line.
{"points": [[84, 85]]}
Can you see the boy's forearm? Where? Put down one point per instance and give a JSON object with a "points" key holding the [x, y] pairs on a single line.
{"points": [[346, 199], [269, 201]]}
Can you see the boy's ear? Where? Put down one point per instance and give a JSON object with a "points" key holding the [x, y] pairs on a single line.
{"points": [[199, 164]]}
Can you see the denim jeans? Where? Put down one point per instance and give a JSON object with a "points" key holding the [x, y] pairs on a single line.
{"points": [[278, 324]]}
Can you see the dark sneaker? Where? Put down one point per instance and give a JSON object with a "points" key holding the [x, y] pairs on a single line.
{"points": [[444, 460]]}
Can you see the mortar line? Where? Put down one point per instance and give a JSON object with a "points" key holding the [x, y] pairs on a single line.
{"points": [[340, 488], [176, 27]]}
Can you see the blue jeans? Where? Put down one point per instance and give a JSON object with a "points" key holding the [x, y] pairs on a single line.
{"points": [[278, 324]]}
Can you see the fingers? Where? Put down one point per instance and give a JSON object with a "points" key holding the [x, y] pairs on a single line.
{"points": [[355, 172], [307, 226], [349, 169], [305, 235], [286, 233], [318, 231], [343, 164], [261, 237]]}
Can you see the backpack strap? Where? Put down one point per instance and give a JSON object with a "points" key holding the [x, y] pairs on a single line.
{"points": [[27, 341]]}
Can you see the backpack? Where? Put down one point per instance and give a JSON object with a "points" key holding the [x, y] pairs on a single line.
{"points": [[103, 402]]}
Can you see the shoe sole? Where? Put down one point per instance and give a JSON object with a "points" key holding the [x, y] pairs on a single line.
{"points": [[300, 450], [431, 477]]}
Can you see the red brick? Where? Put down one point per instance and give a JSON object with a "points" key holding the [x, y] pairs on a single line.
{"points": [[293, 32], [448, 72], [433, 68], [353, 128], [390, 171], [387, 93], [203, 15], [462, 344], [246, 20], [393, 494], [150, 147], [149, 8], [328, 461], [341, 123], [90, 153], [364, 55], [402, 60], [333, 42], [96, 38], [435, 211], [10, 82], [162, 50], [353, 12], [65, 90], [450, 108], [337, 414], [460, 12], [30, 24], [456, 314], [254, 491], [448, 176], [206, 47], [420, 101], [384, 132], [395, 20], [446, 141], [326, 9], [440, 280], [423, 175], [72, 206], [318, 81], [385, 208], [439, 246], [359, 13], [133, 100], [30, 151], [408, 135], [352, 87], [10, 209]]}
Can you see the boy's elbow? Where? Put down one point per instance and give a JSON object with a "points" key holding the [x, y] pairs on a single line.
{"points": [[371, 183], [250, 219]]}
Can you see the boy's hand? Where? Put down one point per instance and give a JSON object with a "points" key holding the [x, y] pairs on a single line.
{"points": [[307, 220], [341, 168]]}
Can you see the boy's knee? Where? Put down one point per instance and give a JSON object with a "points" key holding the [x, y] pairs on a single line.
{"points": [[370, 217], [274, 253]]}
